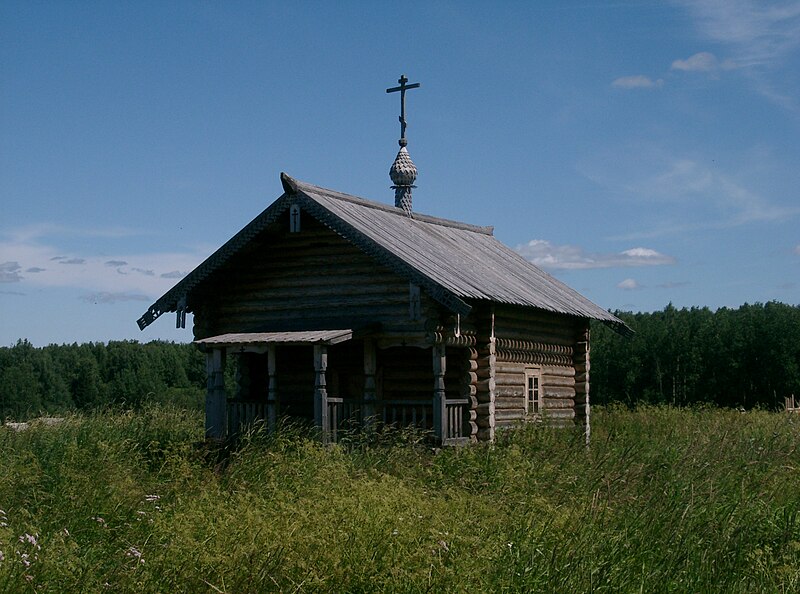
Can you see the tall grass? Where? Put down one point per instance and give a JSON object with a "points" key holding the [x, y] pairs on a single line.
{"points": [[664, 500]]}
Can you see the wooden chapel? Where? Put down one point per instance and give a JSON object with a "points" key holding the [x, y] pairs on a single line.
{"points": [[341, 310]]}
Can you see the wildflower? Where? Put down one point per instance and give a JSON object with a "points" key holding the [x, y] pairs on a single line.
{"points": [[152, 498], [395, 532], [31, 539], [134, 553], [66, 532], [2, 556], [99, 520]]}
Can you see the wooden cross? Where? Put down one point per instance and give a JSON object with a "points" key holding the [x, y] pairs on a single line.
{"points": [[403, 88]]}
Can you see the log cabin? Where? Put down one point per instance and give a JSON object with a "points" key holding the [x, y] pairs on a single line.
{"points": [[338, 309]]}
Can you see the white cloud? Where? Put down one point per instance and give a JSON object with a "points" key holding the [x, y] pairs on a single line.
{"points": [[758, 32], [699, 62], [106, 278], [567, 257], [629, 284], [691, 180], [725, 201], [37, 231], [759, 36], [638, 81], [107, 298]]}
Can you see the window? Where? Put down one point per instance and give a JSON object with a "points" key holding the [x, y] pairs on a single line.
{"points": [[533, 391], [294, 218], [414, 302]]}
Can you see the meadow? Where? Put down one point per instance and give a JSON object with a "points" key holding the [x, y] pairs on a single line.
{"points": [[664, 500]]}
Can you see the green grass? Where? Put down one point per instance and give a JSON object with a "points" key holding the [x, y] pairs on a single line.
{"points": [[665, 500]]}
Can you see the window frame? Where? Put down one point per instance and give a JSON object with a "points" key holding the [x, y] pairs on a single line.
{"points": [[533, 393]]}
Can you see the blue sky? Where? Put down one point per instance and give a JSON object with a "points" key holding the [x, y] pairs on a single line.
{"points": [[642, 152]]}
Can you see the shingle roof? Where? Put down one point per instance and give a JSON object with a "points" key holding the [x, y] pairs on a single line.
{"points": [[452, 261], [327, 337]]}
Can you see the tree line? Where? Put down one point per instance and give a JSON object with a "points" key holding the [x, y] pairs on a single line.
{"points": [[743, 357], [59, 378]]}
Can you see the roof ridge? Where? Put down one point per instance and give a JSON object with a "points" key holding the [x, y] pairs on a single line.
{"points": [[291, 184]]}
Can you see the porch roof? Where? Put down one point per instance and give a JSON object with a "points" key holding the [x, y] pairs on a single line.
{"points": [[251, 339]]}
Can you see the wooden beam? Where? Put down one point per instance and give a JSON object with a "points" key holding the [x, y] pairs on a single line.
{"points": [[321, 391], [439, 398], [215, 394], [272, 389], [370, 389]]}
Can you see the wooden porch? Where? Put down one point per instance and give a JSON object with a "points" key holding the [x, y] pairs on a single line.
{"points": [[338, 387]]}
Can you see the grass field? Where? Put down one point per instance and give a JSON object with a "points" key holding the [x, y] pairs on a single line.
{"points": [[665, 500]]}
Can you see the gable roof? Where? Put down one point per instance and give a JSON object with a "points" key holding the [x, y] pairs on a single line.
{"points": [[452, 261]]}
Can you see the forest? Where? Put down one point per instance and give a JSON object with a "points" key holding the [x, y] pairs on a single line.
{"points": [[59, 378], [739, 358]]}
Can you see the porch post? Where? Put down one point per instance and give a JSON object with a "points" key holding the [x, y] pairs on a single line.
{"points": [[272, 389], [215, 394], [370, 365], [321, 391], [439, 400]]}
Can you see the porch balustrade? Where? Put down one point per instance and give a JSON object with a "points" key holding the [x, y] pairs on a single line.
{"points": [[244, 413], [347, 413]]}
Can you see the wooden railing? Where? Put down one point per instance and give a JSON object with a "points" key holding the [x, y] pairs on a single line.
{"points": [[346, 413], [342, 414], [454, 418], [406, 413], [243, 413]]}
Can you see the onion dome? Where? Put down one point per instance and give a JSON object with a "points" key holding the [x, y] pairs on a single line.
{"points": [[403, 174]]}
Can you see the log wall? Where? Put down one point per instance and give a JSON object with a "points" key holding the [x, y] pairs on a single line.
{"points": [[581, 363], [305, 280], [527, 338]]}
